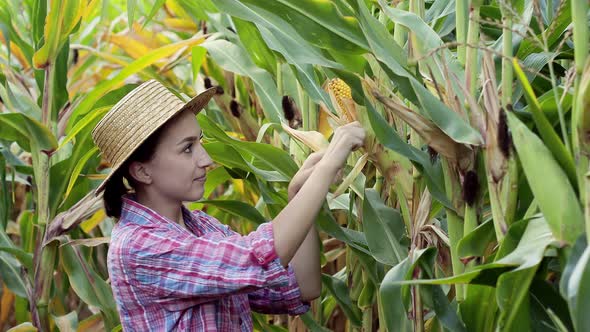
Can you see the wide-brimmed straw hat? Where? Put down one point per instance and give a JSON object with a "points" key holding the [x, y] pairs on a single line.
{"points": [[135, 117]]}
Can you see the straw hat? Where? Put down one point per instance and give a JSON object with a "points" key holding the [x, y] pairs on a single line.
{"points": [[135, 117]]}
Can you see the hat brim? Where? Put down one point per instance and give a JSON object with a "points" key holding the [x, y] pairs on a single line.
{"points": [[195, 105]]}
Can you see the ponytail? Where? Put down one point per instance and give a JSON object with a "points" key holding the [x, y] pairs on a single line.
{"points": [[113, 192], [115, 187]]}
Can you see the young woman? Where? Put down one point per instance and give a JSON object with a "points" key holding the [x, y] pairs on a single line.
{"points": [[172, 269]]}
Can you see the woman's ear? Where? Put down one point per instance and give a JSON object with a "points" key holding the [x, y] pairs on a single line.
{"points": [[139, 172]]}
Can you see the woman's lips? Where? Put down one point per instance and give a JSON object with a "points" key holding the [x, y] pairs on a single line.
{"points": [[201, 179]]}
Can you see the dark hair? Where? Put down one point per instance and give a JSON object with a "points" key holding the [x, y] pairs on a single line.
{"points": [[115, 187]]}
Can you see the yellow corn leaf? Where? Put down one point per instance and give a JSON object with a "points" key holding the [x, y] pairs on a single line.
{"points": [[324, 126], [89, 224], [239, 186], [356, 170], [129, 45], [57, 309], [334, 254], [5, 304], [136, 66], [90, 8], [150, 38], [16, 51], [175, 8], [62, 18], [104, 55], [180, 24], [313, 139], [235, 135], [65, 322], [241, 189], [24, 327], [80, 79], [84, 84], [12, 228], [96, 176], [91, 324], [92, 242]]}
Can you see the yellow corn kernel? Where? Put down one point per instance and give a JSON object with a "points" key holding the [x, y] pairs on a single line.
{"points": [[341, 91]]}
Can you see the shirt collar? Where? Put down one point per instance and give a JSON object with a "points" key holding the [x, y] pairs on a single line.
{"points": [[137, 213]]}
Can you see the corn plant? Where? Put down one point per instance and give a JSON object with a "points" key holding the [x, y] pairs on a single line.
{"points": [[465, 211]]}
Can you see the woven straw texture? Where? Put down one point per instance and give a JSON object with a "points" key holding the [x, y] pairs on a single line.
{"points": [[135, 117]]}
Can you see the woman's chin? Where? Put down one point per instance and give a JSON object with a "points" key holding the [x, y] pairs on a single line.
{"points": [[196, 194]]}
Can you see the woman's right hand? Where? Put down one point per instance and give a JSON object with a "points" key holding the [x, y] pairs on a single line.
{"points": [[346, 139]]}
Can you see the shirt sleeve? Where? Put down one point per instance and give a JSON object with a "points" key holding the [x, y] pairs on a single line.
{"points": [[279, 300], [180, 270]]}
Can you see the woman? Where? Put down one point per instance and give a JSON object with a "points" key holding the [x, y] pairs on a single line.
{"points": [[172, 269]]}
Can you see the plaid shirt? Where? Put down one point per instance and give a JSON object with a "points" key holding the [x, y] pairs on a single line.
{"points": [[207, 278]]}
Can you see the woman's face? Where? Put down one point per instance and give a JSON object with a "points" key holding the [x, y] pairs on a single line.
{"points": [[177, 169]]}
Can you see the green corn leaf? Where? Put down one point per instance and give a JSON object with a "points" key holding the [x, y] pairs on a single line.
{"points": [[575, 284], [27, 132], [550, 137], [11, 276], [339, 290], [88, 285], [238, 209], [264, 155], [233, 58], [549, 183], [390, 139], [476, 242], [76, 172], [319, 22], [384, 228], [155, 8], [529, 253]]}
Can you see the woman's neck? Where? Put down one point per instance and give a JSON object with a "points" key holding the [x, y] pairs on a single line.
{"points": [[169, 209]]}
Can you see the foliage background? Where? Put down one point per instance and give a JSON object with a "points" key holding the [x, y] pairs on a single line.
{"points": [[467, 210]]}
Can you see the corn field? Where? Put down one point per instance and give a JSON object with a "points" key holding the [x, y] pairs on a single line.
{"points": [[467, 209]]}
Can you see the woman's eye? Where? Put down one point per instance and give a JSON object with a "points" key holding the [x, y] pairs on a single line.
{"points": [[188, 149]]}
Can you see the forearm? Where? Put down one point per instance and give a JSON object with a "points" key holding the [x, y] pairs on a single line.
{"points": [[306, 264], [292, 224]]}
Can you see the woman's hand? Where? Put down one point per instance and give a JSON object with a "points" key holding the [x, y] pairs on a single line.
{"points": [[346, 139], [294, 223]]}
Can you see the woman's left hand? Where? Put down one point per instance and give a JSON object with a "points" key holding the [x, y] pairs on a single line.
{"points": [[304, 172]]}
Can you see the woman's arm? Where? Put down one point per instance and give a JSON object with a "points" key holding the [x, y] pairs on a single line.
{"points": [[307, 267], [306, 262], [293, 224]]}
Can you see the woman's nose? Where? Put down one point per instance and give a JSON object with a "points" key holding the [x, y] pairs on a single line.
{"points": [[203, 159]]}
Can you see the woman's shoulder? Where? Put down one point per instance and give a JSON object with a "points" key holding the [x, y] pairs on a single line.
{"points": [[209, 223], [128, 236]]}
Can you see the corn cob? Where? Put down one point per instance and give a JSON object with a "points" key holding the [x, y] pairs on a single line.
{"points": [[342, 93]]}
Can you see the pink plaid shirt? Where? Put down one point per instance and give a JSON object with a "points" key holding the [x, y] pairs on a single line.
{"points": [[207, 278]]}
